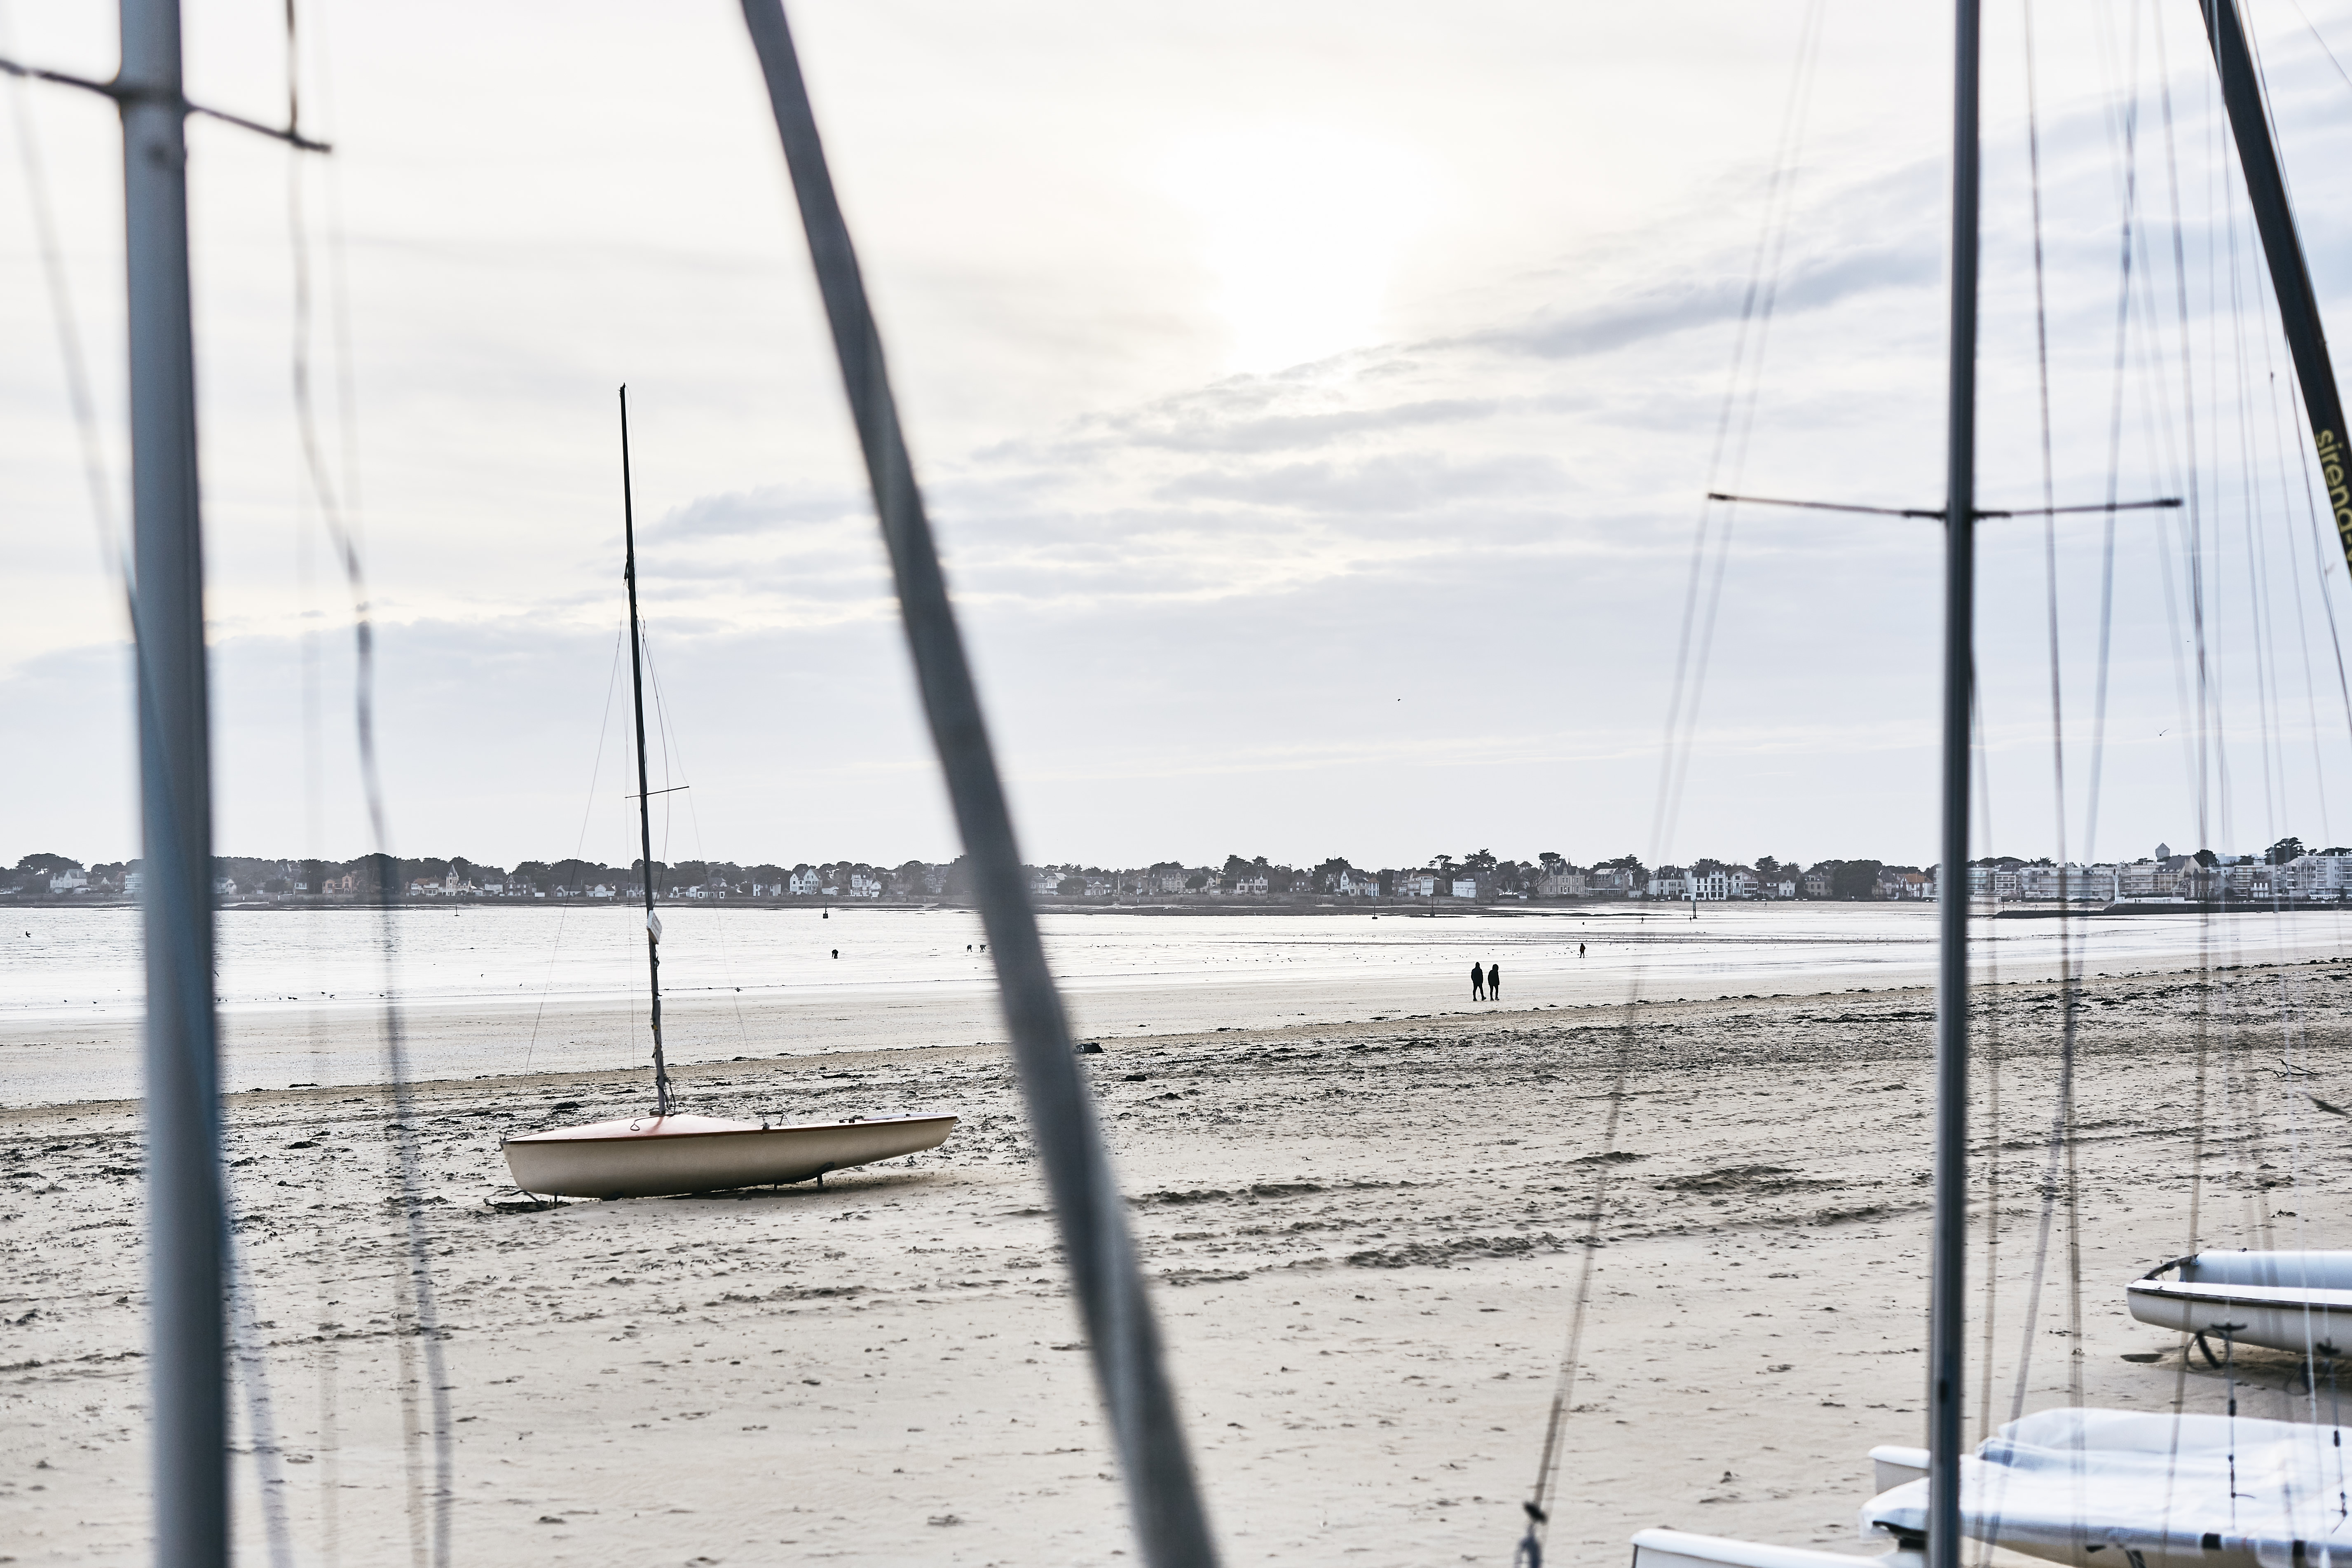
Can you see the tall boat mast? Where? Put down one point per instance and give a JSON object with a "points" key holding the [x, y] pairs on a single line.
{"points": [[645, 798], [187, 1233], [2241, 95], [1171, 1527], [1948, 1261]]}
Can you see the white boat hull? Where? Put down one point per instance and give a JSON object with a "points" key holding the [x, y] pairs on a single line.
{"points": [[2295, 1301], [2095, 1488], [669, 1156]]}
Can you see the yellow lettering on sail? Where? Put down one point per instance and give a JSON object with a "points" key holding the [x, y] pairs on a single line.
{"points": [[2340, 497]]}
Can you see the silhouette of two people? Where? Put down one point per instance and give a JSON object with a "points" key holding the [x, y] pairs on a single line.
{"points": [[1486, 983]]}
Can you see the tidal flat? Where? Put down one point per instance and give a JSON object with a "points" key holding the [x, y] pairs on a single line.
{"points": [[1366, 1243]]}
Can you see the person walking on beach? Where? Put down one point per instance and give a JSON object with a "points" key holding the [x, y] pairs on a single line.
{"points": [[1477, 983], [1494, 982]]}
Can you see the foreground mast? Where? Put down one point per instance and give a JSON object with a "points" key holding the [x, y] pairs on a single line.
{"points": [[1171, 1527], [644, 800], [186, 1239], [1948, 1247]]}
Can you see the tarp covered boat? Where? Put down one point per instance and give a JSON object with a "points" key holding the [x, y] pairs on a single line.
{"points": [[2105, 1488]]}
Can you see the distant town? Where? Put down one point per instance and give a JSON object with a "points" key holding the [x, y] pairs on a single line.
{"points": [[2284, 873]]}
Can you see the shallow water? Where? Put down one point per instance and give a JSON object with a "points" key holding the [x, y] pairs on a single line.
{"points": [[59, 964], [905, 977]]}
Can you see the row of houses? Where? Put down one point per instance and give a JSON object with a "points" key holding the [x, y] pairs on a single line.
{"points": [[1717, 883], [842, 879], [1714, 881], [1720, 883], [2287, 873], [2325, 876]]}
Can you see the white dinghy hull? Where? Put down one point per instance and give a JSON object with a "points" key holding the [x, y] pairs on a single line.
{"points": [[2295, 1301], [2070, 1486], [1681, 1549], [669, 1156]]}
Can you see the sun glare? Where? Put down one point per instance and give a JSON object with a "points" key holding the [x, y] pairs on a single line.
{"points": [[1301, 229]]}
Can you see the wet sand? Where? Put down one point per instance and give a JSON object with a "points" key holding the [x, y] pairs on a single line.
{"points": [[1366, 1245]]}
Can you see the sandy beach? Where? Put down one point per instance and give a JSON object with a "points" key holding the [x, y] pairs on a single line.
{"points": [[1365, 1239]]}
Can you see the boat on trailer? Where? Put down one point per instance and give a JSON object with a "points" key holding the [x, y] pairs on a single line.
{"points": [[2298, 1301], [668, 1154]]}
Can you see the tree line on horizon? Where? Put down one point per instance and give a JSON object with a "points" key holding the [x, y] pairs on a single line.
{"points": [[368, 875]]}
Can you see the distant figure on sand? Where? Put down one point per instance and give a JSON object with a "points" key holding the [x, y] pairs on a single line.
{"points": [[1494, 982], [1477, 983], [1580, 950]]}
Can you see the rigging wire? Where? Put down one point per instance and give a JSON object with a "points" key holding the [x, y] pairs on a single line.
{"points": [[2315, 38], [2284, 477], [430, 1522], [329, 1173], [326, 1236], [719, 925], [2289, 421], [2125, 254], [2069, 962], [64, 318], [2327, 559], [2058, 1176], [2262, 648], [666, 725], [587, 814], [1702, 599], [1993, 1062], [1735, 424], [2208, 778], [1539, 1504], [251, 1356], [2259, 1137], [2193, 738]]}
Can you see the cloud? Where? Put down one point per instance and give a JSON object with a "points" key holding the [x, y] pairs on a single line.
{"points": [[1197, 424], [766, 510], [1814, 284], [1388, 483]]}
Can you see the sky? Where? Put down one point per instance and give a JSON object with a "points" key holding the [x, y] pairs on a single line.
{"points": [[1315, 405]]}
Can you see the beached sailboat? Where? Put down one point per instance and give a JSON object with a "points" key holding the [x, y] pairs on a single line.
{"points": [[667, 1154]]}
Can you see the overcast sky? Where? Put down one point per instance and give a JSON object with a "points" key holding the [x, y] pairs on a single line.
{"points": [[1315, 403]]}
